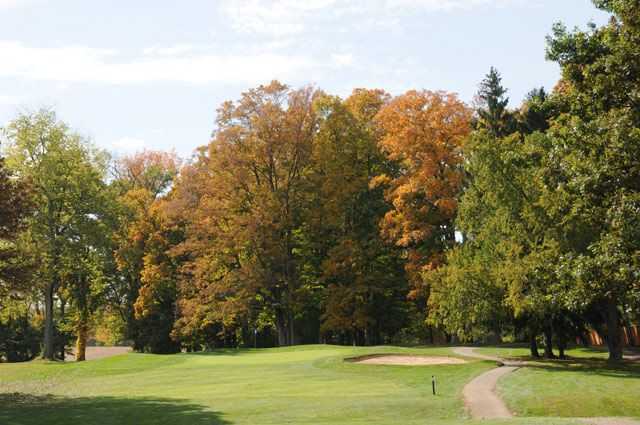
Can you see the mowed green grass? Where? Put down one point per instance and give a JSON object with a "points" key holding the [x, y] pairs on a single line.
{"points": [[584, 385], [521, 352], [300, 385]]}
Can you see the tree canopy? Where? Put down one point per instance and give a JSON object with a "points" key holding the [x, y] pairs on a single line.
{"points": [[364, 220]]}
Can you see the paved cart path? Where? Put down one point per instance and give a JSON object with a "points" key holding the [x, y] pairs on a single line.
{"points": [[480, 394]]}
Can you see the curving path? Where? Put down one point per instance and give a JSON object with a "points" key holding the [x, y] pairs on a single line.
{"points": [[483, 403], [471, 352], [479, 395]]}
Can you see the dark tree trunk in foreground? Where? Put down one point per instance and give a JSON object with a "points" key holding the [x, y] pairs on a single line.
{"points": [[561, 348], [48, 322], [282, 328], [533, 346], [614, 338], [548, 340]]}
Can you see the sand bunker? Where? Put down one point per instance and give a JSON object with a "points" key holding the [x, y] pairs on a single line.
{"points": [[406, 360]]}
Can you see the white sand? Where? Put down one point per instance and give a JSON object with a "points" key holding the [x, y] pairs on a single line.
{"points": [[395, 359]]}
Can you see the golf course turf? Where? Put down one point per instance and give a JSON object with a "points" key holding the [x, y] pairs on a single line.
{"points": [[299, 385]]}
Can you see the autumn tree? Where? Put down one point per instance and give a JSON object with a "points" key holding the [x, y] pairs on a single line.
{"points": [[362, 283], [156, 304], [251, 203], [15, 206], [214, 299], [19, 340], [140, 180], [422, 132]]}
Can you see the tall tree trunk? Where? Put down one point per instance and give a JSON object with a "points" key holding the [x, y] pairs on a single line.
{"points": [[292, 330], [281, 327], [548, 341], [533, 345], [48, 322], [63, 305], [562, 344], [132, 324], [614, 340], [81, 342]]}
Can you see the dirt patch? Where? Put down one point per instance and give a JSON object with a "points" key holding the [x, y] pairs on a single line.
{"points": [[94, 353], [405, 360]]}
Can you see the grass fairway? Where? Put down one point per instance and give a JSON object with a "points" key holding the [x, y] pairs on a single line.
{"points": [[574, 388], [301, 385], [585, 385]]}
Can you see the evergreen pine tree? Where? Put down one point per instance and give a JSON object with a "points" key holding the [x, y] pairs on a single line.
{"points": [[493, 112]]}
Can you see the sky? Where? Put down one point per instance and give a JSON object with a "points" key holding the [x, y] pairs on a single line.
{"points": [[150, 74]]}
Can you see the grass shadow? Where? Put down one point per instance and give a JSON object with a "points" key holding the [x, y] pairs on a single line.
{"points": [[629, 370], [223, 352], [27, 409]]}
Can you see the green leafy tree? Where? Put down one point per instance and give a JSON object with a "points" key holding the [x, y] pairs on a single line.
{"points": [[66, 174], [509, 237], [594, 177]]}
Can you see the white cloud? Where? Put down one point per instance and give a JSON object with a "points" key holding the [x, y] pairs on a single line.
{"points": [[128, 145], [448, 5], [86, 64], [280, 18], [9, 100], [342, 59], [179, 49], [6, 4], [276, 17]]}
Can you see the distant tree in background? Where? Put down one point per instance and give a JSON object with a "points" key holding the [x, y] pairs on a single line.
{"points": [[140, 182], [493, 113], [362, 279]]}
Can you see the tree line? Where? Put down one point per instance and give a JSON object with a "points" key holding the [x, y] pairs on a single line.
{"points": [[367, 220]]}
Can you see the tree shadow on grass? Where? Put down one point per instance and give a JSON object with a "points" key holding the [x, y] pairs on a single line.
{"points": [[626, 370], [230, 351], [27, 409], [222, 352]]}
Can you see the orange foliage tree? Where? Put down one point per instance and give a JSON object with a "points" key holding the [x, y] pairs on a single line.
{"points": [[423, 133], [142, 180], [362, 283], [246, 201]]}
